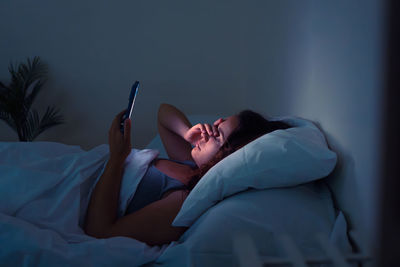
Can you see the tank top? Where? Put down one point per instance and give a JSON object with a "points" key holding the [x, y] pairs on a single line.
{"points": [[153, 185]]}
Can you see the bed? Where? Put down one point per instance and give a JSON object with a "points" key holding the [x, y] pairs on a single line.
{"points": [[45, 187]]}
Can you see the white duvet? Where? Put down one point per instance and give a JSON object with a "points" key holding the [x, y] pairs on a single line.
{"points": [[44, 193]]}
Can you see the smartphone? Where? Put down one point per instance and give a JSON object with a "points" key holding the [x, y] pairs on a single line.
{"points": [[132, 97]]}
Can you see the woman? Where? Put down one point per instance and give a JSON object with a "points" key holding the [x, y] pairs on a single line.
{"points": [[168, 181]]}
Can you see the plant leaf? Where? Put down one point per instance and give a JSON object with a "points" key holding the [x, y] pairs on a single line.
{"points": [[31, 126], [26, 74], [32, 92], [16, 100], [50, 118]]}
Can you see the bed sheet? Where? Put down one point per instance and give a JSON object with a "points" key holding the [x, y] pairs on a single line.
{"points": [[300, 212], [44, 190]]}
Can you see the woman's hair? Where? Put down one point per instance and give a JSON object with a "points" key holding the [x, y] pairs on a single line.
{"points": [[251, 126]]}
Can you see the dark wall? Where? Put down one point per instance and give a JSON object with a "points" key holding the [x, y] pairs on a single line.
{"points": [[390, 216]]}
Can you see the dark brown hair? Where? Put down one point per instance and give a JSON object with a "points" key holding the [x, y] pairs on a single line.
{"points": [[251, 126]]}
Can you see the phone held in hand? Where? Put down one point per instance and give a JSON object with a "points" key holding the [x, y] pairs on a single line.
{"points": [[131, 103]]}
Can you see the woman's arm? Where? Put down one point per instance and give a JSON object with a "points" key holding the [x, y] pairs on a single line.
{"points": [[151, 224], [102, 209], [172, 126], [177, 133]]}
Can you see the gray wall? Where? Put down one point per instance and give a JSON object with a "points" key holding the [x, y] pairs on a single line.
{"points": [[188, 54], [344, 93], [340, 87], [317, 59]]}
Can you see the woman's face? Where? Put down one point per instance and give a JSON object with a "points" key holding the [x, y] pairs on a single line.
{"points": [[208, 146]]}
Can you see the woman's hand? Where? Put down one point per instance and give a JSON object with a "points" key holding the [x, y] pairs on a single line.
{"points": [[199, 131], [120, 143]]}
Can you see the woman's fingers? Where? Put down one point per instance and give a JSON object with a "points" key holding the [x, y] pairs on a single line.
{"points": [[194, 133], [118, 117], [120, 143], [116, 124], [215, 130], [121, 113], [212, 130], [205, 136], [202, 128], [208, 129], [127, 130], [202, 131], [217, 122], [117, 120]]}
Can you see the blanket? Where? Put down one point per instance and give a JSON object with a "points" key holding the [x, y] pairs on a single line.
{"points": [[45, 188]]}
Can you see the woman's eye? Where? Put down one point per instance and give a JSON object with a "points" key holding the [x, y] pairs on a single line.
{"points": [[218, 138]]}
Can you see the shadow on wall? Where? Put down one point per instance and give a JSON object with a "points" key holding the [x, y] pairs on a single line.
{"points": [[343, 183], [346, 193]]}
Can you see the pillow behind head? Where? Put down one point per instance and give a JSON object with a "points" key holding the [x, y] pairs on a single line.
{"points": [[280, 158]]}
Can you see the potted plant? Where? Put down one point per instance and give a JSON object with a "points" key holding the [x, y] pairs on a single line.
{"points": [[16, 101]]}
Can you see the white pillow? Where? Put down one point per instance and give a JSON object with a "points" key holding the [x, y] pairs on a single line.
{"points": [[278, 159]]}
